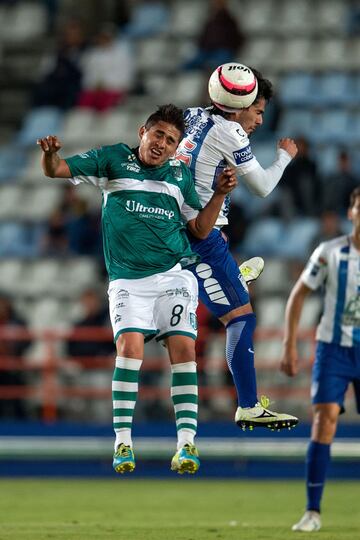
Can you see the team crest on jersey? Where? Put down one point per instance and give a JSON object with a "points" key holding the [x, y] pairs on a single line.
{"points": [[243, 155], [351, 316], [193, 321]]}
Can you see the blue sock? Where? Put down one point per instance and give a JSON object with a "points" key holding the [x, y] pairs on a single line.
{"points": [[317, 460], [240, 358]]}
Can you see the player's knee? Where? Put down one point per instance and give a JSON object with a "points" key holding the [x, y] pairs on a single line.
{"points": [[128, 348], [324, 426], [181, 350]]}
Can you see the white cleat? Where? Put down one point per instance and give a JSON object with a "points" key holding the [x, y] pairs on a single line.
{"points": [[310, 522], [261, 416], [252, 268]]}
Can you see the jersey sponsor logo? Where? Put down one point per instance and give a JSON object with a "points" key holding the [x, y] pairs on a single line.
{"points": [[183, 291], [133, 206], [133, 167], [243, 155]]}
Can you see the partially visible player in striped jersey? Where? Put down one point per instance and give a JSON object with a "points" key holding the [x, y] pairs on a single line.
{"points": [[216, 137], [147, 198], [334, 266]]}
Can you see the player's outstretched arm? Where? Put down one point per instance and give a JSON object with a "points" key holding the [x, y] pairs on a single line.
{"points": [[294, 306], [261, 181], [202, 225], [52, 165]]}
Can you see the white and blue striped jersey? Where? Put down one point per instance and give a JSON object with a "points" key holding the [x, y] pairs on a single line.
{"points": [[212, 143], [336, 265]]}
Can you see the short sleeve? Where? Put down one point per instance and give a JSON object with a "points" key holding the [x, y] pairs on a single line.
{"points": [[316, 270], [88, 167]]}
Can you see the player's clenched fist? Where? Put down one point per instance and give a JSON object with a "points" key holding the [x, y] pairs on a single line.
{"points": [[288, 145], [226, 181], [49, 144]]}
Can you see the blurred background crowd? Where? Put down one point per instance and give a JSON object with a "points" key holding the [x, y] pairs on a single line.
{"points": [[91, 72]]}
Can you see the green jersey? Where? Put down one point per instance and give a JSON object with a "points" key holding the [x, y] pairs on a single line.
{"points": [[144, 210]]}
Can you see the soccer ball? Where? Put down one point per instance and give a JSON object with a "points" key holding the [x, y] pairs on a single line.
{"points": [[232, 86]]}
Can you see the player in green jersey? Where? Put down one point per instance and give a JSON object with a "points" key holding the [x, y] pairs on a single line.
{"points": [[148, 201]]}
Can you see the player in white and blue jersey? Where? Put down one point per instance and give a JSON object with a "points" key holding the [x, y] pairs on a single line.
{"points": [[335, 266], [218, 136]]}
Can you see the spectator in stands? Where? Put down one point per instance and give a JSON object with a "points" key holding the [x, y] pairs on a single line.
{"points": [[72, 228], [11, 350], [108, 74], [220, 39], [55, 241], [95, 314], [301, 185], [148, 18], [339, 185], [60, 84]]}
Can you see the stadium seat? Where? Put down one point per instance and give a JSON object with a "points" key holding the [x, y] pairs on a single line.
{"points": [[274, 279], [149, 51], [10, 201], [10, 274], [187, 88], [297, 89], [334, 89], [297, 237], [187, 18], [113, 127], [80, 125], [294, 122], [263, 236], [40, 122], [40, 202], [47, 313], [12, 161], [293, 18], [293, 54], [270, 312], [330, 16], [333, 126], [22, 21], [259, 52], [259, 16]]}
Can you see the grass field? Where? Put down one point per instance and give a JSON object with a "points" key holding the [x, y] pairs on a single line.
{"points": [[180, 509]]}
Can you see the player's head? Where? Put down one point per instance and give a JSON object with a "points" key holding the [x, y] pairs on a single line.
{"points": [[250, 117], [161, 134], [354, 207], [232, 86]]}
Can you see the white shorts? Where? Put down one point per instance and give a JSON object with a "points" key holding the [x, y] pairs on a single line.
{"points": [[161, 305]]}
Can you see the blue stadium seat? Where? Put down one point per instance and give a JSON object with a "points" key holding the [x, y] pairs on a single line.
{"points": [[333, 126], [297, 122], [40, 122], [263, 236], [333, 89], [297, 89], [297, 238]]}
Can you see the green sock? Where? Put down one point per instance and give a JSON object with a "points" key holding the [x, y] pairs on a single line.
{"points": [[124, 394], [184, 393]]}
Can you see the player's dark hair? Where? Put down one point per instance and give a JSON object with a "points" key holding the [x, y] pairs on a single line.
{"points": [[353, 196], [169, 114], [265, 87]]}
